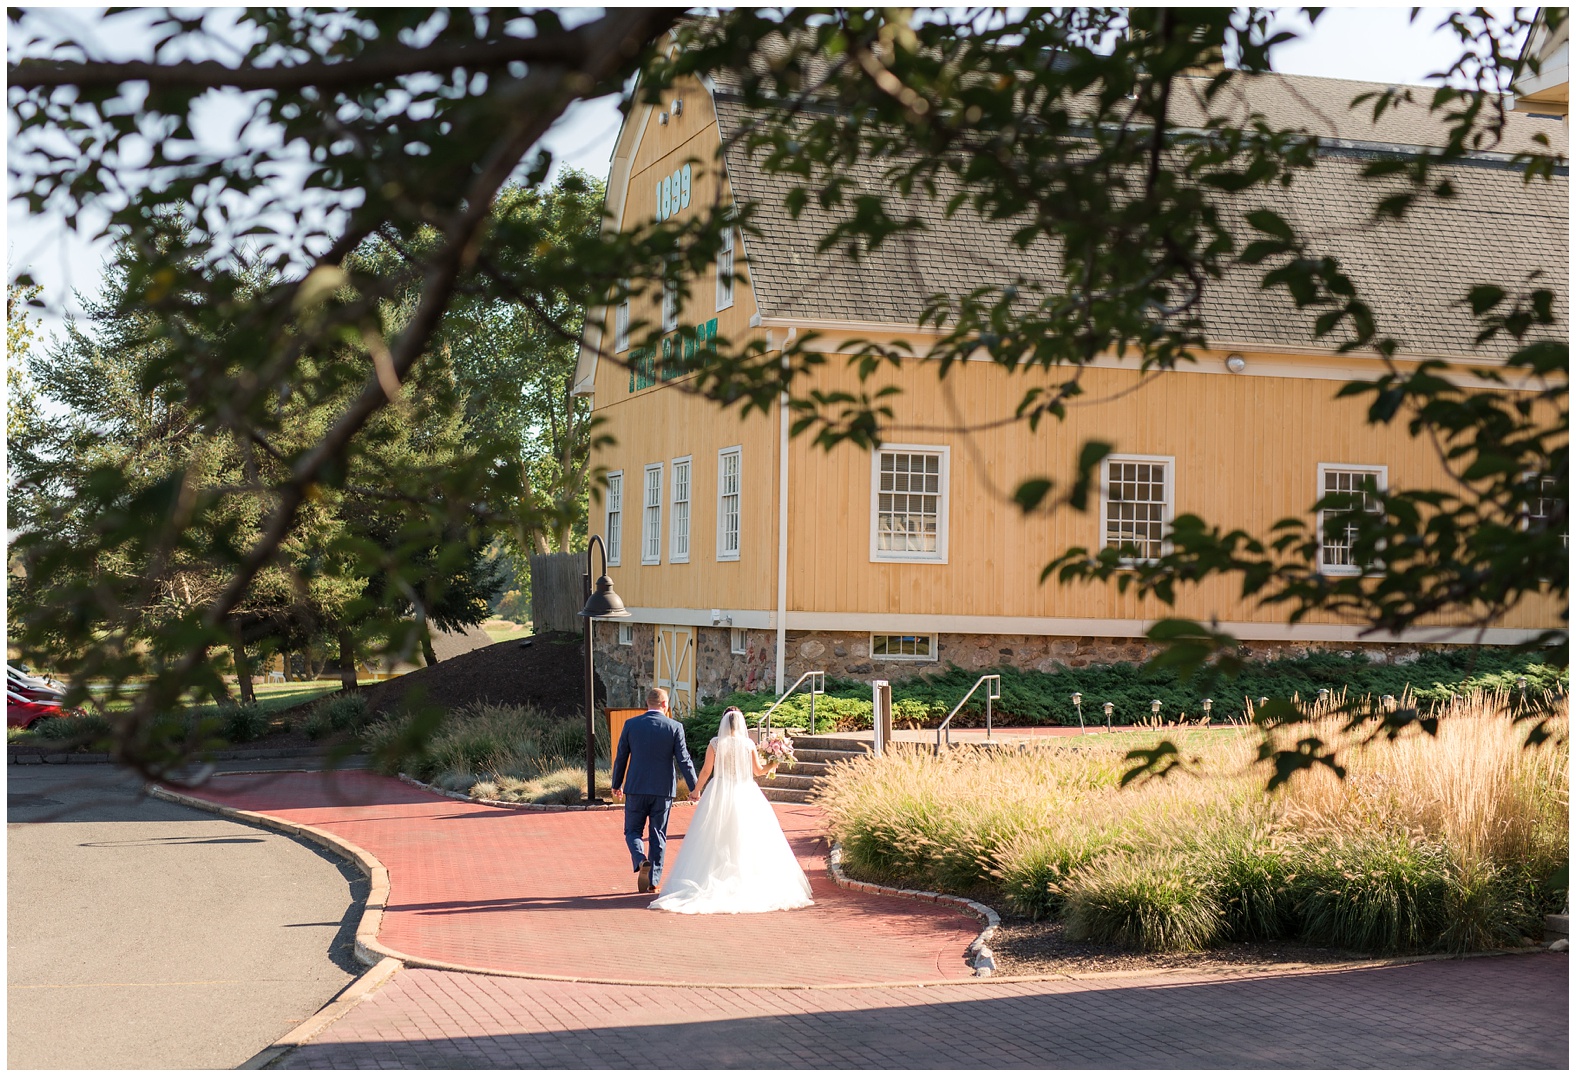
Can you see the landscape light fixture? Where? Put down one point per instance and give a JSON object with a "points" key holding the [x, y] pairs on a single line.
{"points": [[1154, 711], [1209, 705], [1389, 702], [1521, 686], [1109, 707], [602, 601], [1078, 706], [1324, 695]]}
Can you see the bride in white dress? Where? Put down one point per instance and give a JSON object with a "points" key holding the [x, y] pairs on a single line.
{"points": [[734, 857]]}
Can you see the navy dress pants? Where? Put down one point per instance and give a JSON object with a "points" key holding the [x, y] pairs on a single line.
{"points": [[642, 811]]}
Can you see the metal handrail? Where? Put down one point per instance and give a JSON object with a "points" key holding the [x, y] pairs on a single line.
{"points": [[991, 693], [817, 677]]}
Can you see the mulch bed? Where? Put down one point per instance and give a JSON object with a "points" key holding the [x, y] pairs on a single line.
{"points": [[1028, 948], [546, 671]]}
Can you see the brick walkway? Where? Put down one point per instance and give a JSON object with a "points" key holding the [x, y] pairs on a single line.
{"points": [[551, 894], [1501, 1012]]}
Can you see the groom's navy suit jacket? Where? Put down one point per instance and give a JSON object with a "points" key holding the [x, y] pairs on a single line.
{"points": [[656, 742]]}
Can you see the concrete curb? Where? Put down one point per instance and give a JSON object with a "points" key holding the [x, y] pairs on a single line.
{"points": [[358, 991], [978, 954], [369, 951], [24, 757]]}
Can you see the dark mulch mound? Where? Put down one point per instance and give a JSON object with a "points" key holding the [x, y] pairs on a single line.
{"points": [[1026, 948], [546, 671]]}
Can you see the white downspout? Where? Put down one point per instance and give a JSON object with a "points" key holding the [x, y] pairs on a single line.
{"points": [[782, 527]]}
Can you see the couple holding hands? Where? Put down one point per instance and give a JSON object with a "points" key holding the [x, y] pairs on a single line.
{"points": [[735, 857]]}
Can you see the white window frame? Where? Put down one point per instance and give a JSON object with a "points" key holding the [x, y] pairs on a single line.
{"points": [[738, 641], [1167, 512], [1546, 503], [943, 508], [621, 323], [725, 271], [626, 634], [682, 523], [933, 656], [670, 305], [651, 526], [613, 525], [1381, 473], [723, 553]]}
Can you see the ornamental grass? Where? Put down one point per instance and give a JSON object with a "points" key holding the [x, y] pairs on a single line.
{"points": [[1454, 842], [496, 752]]}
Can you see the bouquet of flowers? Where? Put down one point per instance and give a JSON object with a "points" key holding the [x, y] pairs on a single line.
{"points": [[777, 749]]}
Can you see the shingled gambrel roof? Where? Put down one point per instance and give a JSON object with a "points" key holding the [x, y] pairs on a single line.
{"points": [[1414, 272]]}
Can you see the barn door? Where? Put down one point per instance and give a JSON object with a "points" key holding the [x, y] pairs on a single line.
{"points": [[675, 667]]}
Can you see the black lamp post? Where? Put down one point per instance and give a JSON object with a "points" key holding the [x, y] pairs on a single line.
{"points": [[601, 602]]}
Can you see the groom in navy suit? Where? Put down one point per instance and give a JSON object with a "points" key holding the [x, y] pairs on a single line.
{"points": [[656, 742]]}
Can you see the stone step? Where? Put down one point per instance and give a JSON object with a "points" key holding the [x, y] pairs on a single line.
{"points": [[788, 781], [787, 796], [823, 755], [830, 744], [805, 767]]}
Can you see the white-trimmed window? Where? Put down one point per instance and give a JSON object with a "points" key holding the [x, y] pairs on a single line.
{"points": [[626, 634], [1336, 541], [1136, 504], [615, 517], [725, 272], [651, 520], [738, 641], [679, 542], [908, 503], [887, 647], [729, 471], [1543, 509], [670, 305], [621, 323]]}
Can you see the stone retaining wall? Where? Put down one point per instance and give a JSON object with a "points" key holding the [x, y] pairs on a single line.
{"points": [[627, 670]]}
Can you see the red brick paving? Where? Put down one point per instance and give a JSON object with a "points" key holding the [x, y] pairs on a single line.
{"points": [[1483, 1013], [551, 894]]}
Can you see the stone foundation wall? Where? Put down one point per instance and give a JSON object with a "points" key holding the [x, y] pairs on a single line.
{"points": [[627, 670]]}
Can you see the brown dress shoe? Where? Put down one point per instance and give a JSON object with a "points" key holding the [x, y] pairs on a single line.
{"points": [[643, 877]]}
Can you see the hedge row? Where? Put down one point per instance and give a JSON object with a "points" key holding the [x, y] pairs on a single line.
{"points": [[1030, 698]]}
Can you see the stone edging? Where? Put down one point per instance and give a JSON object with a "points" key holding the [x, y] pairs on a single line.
{"points": [[358, 991], [978, 953], [26, 756], [468, 799]]}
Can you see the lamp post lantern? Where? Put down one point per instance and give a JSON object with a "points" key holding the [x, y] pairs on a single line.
{"points": [[1108, 708], [1209, 705], [1078, 706], [602, 601], [1154, 711]]}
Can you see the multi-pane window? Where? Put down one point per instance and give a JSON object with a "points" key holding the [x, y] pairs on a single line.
{"points": [[621, 323], [626, 634], [728, 467], [651, 521], [670, 305], [1355, 488], [725, 272], [910, 504], [1543, 511], [738, 642], [1135, 505], [678, 545], [907, 648], [615, 517]]}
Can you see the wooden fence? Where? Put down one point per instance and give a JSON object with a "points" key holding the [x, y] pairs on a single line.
{"points": [[557, 592]]}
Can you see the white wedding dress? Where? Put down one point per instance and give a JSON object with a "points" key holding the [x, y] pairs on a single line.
{"points": [[734, 857]]}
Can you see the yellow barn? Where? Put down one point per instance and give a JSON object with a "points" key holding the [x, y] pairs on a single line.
{"points": [[747, 557]]}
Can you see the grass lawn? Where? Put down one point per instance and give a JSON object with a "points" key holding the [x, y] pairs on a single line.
{"points": [[505, 630]]}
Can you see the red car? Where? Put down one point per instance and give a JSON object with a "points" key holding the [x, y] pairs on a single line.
{"points": [[21, 712]]}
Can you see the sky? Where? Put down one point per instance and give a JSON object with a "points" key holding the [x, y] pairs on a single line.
{"points": [[1379, 44]]}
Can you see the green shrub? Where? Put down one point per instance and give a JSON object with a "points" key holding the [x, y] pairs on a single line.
{"points": [[1251, 876], [339, 713], [87, 730], [240, 723], [1379, 893], [1029, 697], [1034, 868], [1152, 902]]}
